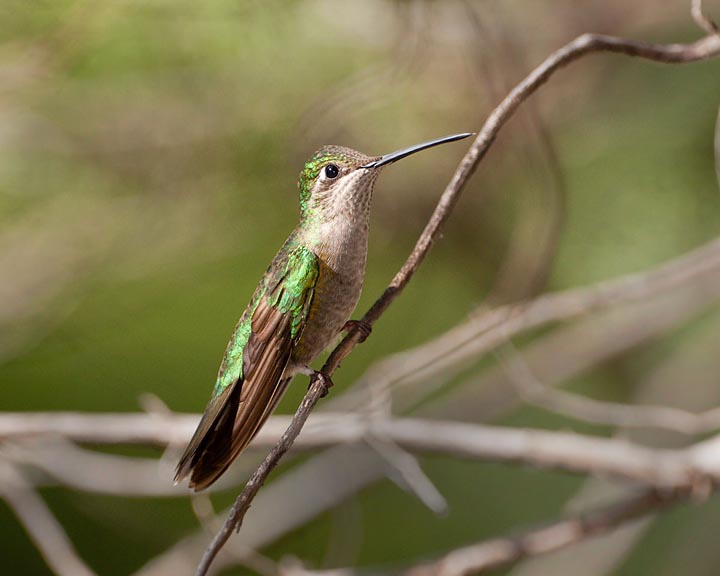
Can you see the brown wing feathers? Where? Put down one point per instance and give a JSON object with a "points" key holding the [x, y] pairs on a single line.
{"points": [[234, 417]]}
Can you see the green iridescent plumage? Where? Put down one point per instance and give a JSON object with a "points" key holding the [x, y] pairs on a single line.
{"points": [[250, 381], [288, 286], [231, 369], [311, 171], [294, 293]]}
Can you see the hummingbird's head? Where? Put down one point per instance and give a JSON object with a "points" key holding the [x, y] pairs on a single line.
{"points": [[334, 183], [339, 181]]}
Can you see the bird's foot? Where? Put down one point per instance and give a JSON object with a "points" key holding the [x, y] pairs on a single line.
{"points": [[316, 375], [360, 326], [324, 380]]}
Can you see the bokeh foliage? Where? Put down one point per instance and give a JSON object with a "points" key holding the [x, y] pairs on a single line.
{"points": [[148, 159]]}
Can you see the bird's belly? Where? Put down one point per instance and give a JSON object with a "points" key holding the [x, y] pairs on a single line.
{"points": [[335, 298]]}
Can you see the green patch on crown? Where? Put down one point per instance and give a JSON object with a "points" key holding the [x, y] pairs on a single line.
{"points": [[310, 173]]}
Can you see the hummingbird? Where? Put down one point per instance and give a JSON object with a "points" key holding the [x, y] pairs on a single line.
{"points": [[301, 305]]}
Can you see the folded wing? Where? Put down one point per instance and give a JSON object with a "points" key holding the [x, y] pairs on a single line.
{"points": [[241, 405]]}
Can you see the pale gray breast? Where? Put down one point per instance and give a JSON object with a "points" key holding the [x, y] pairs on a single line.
{"points": [[342, 270]]}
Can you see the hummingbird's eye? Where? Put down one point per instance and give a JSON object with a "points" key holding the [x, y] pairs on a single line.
{"points": [[332, 171]]}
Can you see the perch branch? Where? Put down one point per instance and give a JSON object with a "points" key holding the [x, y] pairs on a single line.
{"points": [[243, 502]]}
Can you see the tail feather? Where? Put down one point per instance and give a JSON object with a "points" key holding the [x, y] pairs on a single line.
{"points": [[211, 439], [223, 433]]}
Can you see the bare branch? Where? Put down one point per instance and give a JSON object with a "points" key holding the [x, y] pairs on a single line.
{"points": [[704, 48], [141, 429], [89, 471], [325, 481], [411, 475], [205, 513], [469, 340], [43, 528], [317, 390], [593, 341], [547, 449], [696, 466], [502, 551], [607, 413], [489, 328], [701, 19]]}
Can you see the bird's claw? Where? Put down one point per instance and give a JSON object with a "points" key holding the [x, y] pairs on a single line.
{"points": [[360, 326], [324, 380]]}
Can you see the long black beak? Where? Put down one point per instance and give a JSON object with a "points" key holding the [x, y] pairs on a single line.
{"points": [[394, 156]]}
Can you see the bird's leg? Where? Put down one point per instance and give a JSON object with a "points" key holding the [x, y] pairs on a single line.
{"points": [[360, 326], [314, 375]]}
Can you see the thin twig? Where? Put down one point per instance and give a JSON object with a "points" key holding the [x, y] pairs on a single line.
{"points": [[41, 525], [593, 341], [478, 558], [585, 44], [532, 390], [701, 19], [489, 328], [542, 448], [409, 474], [498, 552], [704, 48], [202, 507], [324, 482], [238, 510], [141, 428]]}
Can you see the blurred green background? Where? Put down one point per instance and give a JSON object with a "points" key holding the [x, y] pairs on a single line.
{"points": [[149, 154]]}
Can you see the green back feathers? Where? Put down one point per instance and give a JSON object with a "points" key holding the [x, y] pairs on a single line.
{"points": [[294, 293], [231, 369], [311, 171], [289, 288]]}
